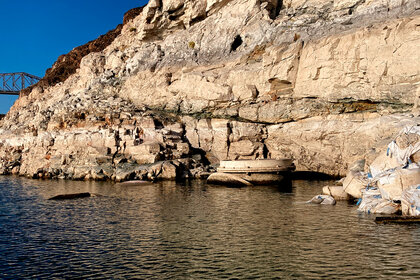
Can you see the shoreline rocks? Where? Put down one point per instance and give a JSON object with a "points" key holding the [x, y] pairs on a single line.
{"points": [[392, 184], [337, 192], [322, 83]]}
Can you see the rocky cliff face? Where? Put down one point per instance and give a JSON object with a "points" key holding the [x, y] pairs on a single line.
{"points": [[189, 83]]}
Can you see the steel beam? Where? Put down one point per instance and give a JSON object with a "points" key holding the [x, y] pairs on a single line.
{"points": [[9, 92], [13, 83]]}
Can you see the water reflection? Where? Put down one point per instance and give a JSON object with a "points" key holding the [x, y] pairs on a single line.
{"points": [[193, 231]]}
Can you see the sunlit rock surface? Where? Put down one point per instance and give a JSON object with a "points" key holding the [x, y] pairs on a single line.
{"points": [[189, 83]]}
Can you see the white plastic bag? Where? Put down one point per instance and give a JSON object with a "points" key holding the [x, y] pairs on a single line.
{"points": [[322, 199], [392, 185], [386, 207], [410, 201], [367, 204], [371, 197], [383, 163], [409, 145], [378, 205]]}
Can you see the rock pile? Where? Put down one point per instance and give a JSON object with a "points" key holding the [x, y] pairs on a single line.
{"points": [[392, 183]]}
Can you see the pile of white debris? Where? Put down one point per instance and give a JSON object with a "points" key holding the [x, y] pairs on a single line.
{"points": [[392, 183]]}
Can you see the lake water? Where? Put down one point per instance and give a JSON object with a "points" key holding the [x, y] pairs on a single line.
{"points": [[194, 231]]}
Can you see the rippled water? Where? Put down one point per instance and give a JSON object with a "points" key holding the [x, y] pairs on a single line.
{"points": [[194, 231]]}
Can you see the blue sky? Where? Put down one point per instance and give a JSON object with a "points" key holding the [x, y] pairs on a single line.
{"points": [[34, 33]]}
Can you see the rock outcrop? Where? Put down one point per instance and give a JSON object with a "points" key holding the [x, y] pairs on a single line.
{"points": [[186, 84]]}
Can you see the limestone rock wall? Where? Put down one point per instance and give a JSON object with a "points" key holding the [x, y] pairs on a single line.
{"points": [[191, 83]]}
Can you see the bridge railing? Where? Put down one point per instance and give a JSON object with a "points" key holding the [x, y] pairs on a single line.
{"points": [[13, 83]]}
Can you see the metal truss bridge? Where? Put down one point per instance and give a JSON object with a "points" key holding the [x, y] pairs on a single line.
{"points": [[13, 83]]}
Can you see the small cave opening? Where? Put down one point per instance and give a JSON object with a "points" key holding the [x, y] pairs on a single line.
{"points": [[236, 43], [278, 8], [158, 124], [274, 7], [197, 19]]}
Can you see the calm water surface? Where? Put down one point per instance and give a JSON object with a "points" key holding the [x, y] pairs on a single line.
{"points": [[194, 231]]}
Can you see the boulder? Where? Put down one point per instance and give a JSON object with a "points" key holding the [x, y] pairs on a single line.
{"points": [[169, 171], [358, 166], [337, 192], [145, 153], [354, 183]]}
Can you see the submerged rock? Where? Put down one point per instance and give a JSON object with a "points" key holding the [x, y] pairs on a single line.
{"points": [[135, 183], [70, 196]]}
